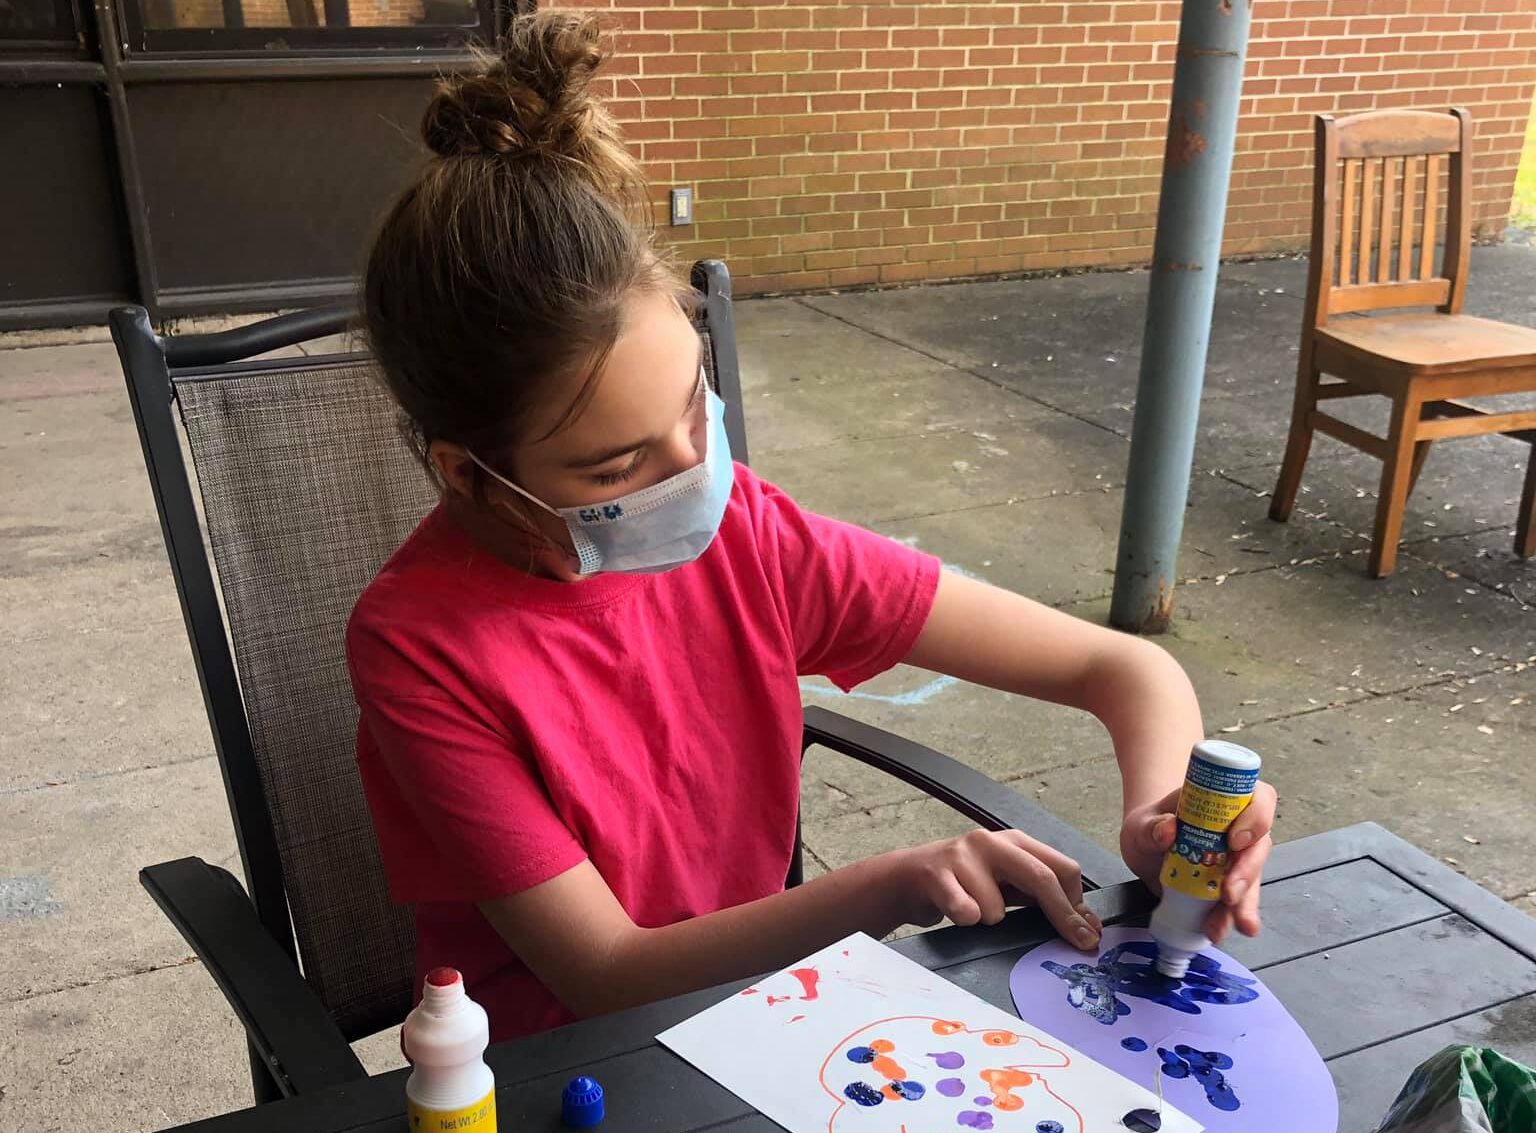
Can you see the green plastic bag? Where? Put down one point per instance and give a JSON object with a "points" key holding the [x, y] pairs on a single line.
{"points": [[1465, 1089]]}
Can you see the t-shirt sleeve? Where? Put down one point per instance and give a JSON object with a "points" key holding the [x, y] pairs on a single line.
{"points": [[461, 813], [855, 601]]}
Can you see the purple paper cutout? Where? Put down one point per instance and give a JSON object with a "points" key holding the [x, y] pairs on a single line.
{"points": [[1225, 1020]]}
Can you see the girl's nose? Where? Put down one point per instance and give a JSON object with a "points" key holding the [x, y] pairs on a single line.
{"points": [[685, 445]]}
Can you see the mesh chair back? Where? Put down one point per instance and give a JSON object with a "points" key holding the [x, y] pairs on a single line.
{"points": [[308, 486]]}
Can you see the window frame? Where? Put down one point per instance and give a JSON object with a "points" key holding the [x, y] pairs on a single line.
{"points": [[326, 41], [69, 36]]}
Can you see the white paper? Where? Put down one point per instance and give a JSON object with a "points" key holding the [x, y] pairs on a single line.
{"points": [[813, 1046]]}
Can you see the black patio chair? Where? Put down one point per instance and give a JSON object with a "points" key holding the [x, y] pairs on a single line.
{"points": [[307, 486]]}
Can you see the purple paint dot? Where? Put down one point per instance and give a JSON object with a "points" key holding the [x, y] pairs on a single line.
{"points": [[981, 1101], [950, 1087], [974, 1120], [947, 1059]]}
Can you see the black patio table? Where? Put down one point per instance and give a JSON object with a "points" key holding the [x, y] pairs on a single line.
{"points": [[1382, 953]]}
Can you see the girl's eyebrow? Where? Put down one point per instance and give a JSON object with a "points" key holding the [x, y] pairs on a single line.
{"points": [[590, 460]]}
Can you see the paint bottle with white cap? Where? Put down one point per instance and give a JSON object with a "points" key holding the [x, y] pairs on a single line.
{"points": [[1217, 788], [450, 1087]]}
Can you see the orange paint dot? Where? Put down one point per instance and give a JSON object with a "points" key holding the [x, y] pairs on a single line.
{"points": [[940, 1027], [882, 1046], [888, 1068], [1002, 1083], [1000, 1038], [892, 1093]]}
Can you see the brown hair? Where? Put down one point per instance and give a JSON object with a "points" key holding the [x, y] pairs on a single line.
{"points": [[499, 277]]}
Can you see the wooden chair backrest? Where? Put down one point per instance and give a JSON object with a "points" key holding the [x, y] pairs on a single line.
{"points": [[1381, 182]]}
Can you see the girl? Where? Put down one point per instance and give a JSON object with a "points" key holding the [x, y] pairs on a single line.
{"points": [[580, 717]]}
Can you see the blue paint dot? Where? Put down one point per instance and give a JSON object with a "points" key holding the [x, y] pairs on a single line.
{"points": [[1133, 1043], [861, 1054], [1142, 1121], [1173, 1065], [1049, 1127], [863, 1094], [912, 1091], [1221, 1096], [1206, 1067]]}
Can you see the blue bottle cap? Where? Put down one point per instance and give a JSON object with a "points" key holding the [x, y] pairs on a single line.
{"points": [[581, 1105]]}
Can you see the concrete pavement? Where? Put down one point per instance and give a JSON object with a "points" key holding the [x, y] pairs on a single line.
{"points": [[984, 422]]}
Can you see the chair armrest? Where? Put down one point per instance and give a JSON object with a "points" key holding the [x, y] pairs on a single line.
{"points": [[984, 801], [287, 1024]]}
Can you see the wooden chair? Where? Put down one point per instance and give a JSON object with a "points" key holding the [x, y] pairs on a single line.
{"points": [[1373, 249]]}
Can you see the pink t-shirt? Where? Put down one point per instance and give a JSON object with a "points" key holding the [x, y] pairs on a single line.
{"points": [[512, 726]]}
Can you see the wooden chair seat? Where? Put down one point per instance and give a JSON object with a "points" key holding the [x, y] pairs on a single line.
{"points": [[1424, 344], [1377, 192]]}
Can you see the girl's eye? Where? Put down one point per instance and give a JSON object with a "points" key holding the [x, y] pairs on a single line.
{"points": [[625, 473]]}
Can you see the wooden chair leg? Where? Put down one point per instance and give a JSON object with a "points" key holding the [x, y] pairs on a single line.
{"points": [[1299, 443], [1396, 475], [1420, 452], [1525, 528]]}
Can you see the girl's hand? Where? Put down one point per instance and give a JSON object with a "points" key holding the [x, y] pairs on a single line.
{"points": [[971, 879], [1147, 834]]}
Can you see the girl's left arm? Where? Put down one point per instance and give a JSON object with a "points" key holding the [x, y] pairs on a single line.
{"points": [[992, 637]]}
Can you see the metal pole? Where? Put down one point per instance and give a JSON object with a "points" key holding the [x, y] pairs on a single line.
{"points": [[1202, 129]]}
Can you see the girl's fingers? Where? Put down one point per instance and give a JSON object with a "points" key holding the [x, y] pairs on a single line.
{"points": [[1254, 823], [1245, 913], [1246, 872], [1031, 875], [953, 901], [1218, 924], [1067, 871], [1152, 834], [982, 887]]}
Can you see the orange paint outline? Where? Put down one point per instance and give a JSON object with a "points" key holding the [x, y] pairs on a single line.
{"points": [[944, 1027]]}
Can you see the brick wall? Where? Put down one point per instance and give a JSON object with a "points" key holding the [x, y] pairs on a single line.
{"points": [[842, 143]]}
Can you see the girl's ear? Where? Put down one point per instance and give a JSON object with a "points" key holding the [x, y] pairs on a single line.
{"points": [[455, 470]]}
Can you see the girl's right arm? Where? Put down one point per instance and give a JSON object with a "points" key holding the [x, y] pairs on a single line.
{"points": [[577, 939]]}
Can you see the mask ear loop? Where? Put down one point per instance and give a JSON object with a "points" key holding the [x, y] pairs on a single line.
{"points": [[520, 522]]}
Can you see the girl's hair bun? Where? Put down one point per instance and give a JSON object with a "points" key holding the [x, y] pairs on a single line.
{"points": [[529, 98]]}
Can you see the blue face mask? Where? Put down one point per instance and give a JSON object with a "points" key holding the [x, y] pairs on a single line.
{"points": [[657, 528]]}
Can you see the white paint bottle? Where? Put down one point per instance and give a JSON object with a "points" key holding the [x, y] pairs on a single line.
{"points": [[1217, 788], [451, 1089]]}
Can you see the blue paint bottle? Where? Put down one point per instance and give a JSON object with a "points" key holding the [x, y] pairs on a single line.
{"points": [[1217, 788]]}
